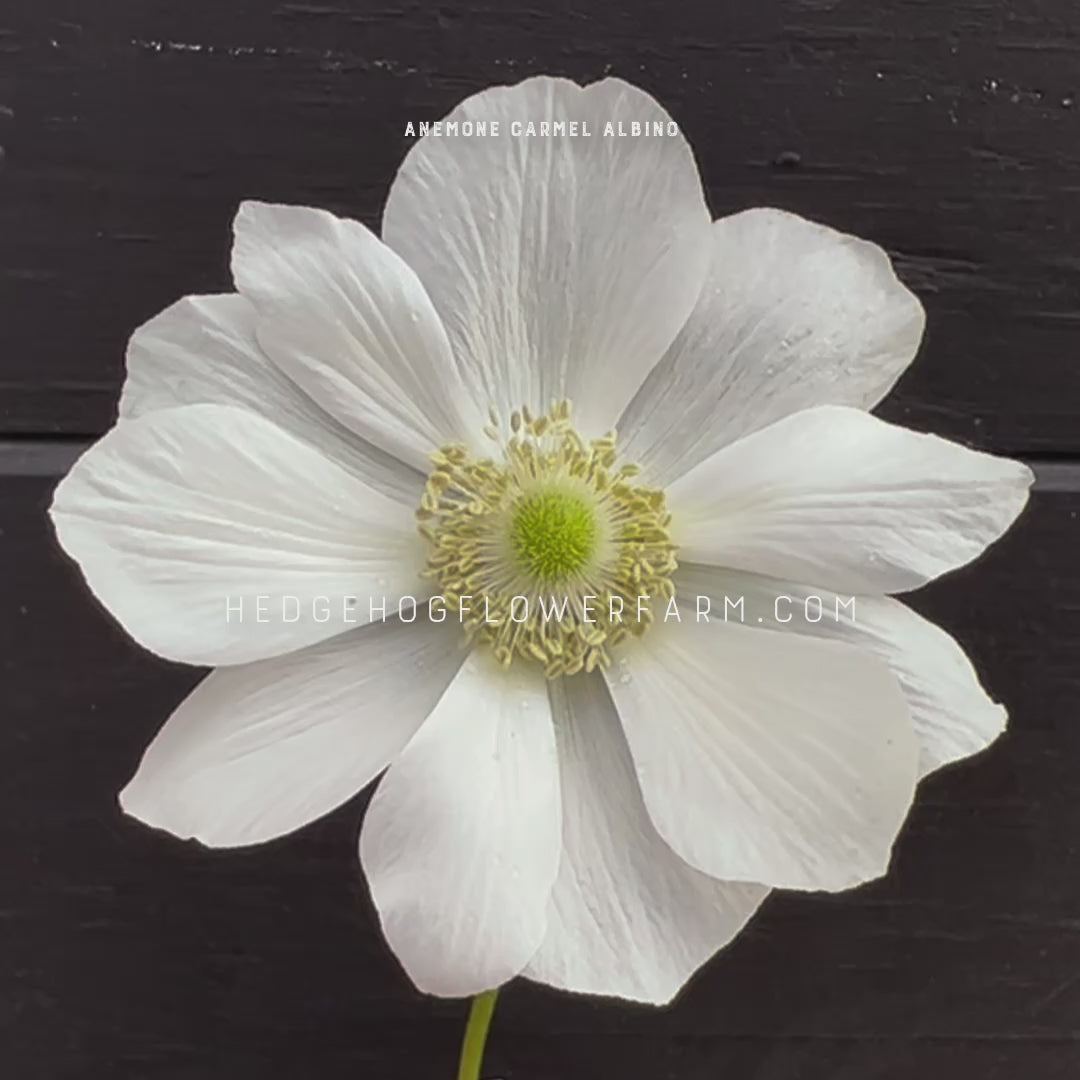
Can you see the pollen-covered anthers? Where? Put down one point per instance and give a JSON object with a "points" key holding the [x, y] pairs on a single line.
{"points": [[547, 551]]}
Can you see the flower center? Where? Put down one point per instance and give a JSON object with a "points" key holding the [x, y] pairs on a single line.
{"points": [[547, 550], [553, 534]]}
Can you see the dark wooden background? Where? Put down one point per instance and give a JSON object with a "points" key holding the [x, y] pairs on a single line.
{"points": [[947, 131]]}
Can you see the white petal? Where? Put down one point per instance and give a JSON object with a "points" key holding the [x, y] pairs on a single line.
{"points": [[835, 496], [202, 350], [461, 841], [628, 917], [181, 520], [257, 750], [562, 266], [768, 757], [350, 323], [951, 713], [792, 315]]}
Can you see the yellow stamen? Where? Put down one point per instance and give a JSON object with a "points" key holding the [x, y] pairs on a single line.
{"points": [[552, 545]]}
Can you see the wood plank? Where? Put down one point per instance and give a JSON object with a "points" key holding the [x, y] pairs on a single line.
{"points": [[950, 135], [129, 953]]}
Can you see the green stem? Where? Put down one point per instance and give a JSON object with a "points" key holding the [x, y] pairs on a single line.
{"points": [[476, 1033]]}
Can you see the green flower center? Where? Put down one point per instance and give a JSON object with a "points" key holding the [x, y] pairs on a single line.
{"points": [[553, 534], [546, 548]]}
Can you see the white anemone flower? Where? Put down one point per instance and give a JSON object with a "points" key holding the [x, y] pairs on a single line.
{"points": [[554, 373]]}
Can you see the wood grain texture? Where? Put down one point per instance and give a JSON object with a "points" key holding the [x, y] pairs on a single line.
{"points": [[948, 133], [131, 954]]}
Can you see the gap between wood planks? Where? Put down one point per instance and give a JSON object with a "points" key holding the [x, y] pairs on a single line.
{"points": [[54, 456]]}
